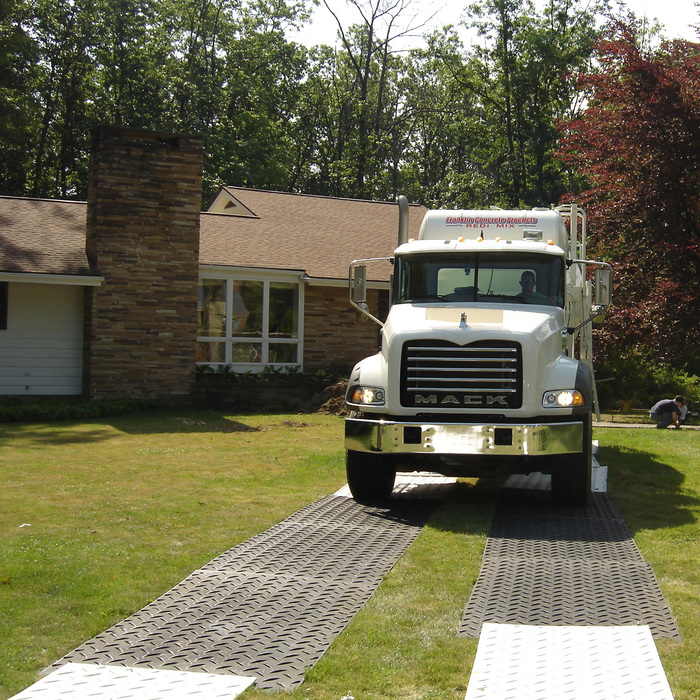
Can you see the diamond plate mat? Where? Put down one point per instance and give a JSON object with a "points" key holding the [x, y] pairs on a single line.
{"points": [[415, 485], [550, 565], [97, 682], [567, 663], [271, 606], [543, 482]]}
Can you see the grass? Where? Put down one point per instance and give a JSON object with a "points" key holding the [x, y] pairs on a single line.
{"points": [[638, 416], [116, 512], [654, 478], [634, 416], [97, 519]]}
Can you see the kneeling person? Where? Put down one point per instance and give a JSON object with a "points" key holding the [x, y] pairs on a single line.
{"points": [[667, 411]]}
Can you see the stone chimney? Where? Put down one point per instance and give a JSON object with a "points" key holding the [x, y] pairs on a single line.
{"points": [[144, 200]]}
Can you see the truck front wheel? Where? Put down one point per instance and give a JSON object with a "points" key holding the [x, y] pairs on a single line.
{"points": [[370, 476], [571, 475]]}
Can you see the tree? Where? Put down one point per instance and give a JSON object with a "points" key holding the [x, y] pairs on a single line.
{"points": [[212, 67], [252, 141], [131, 54], [234, 78], [17, 107], [523, 77], [93, 62], [446, 161], [64, 33], [638, 144], [363, 87]]}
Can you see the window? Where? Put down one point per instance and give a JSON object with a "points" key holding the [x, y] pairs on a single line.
{"points": [[523, 278], [249, 322]]}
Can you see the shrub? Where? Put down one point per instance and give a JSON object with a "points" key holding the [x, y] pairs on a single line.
{"points": [[225, 374], [16, 410], [643, 381]]}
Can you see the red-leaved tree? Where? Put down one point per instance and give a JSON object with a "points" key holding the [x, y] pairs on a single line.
{"points": [[638, 146]]}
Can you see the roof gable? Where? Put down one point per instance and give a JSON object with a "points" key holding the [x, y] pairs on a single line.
{"points": [[226, 203]]}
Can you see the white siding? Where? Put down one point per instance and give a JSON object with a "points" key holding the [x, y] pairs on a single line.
{"points": [[41, 352]]}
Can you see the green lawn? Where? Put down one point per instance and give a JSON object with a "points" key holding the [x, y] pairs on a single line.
{"points": [[100, 518], [654, 478]]}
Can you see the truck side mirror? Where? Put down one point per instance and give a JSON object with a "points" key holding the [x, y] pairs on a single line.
{"points": [[602, 287], [359, 284]]}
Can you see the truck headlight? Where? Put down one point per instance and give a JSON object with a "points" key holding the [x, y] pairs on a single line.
{"points": [[565, 398], [367, 395]]}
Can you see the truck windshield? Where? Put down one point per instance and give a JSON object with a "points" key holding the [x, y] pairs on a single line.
{"points": [[479, 278]]}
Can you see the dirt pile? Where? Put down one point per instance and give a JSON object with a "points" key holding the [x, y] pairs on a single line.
{"points": [[332, 399]]}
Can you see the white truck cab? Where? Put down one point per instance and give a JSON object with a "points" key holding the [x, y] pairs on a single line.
{"points": [[485, 360]]}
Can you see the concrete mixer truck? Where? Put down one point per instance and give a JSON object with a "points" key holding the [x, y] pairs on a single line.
{"points": [[486, 353]]}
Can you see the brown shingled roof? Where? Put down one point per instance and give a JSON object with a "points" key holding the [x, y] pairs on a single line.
{"points": [[40, 236], [320, 235]]}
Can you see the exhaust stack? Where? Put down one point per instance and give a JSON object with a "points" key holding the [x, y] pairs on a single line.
{"points": [[403, 218]]}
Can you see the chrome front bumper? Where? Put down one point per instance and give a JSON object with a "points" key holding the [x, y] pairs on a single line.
{"points": [[463, 439]]}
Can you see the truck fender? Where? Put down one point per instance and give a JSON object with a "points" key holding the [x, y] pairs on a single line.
{"points": [[367, 372], [570, 373], [584, 382]]}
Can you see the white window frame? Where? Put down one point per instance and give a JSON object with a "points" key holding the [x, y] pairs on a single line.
{"points": [[266, 277]]}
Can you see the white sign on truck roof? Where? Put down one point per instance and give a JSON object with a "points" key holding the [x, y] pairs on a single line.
{"points": [[517, 225]]}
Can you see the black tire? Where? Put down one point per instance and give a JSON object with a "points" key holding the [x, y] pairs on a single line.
{"points": [[370, 476], [571, 474]]}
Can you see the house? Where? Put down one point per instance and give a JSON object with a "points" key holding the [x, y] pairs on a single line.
{"points": [[125, 294]]}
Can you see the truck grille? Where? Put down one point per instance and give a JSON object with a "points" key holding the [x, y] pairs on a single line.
{"points": [[439, 374]]}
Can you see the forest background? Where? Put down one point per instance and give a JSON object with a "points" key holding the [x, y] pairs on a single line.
{"points": [[569, 101]]}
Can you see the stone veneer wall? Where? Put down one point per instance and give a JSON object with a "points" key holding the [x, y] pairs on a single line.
{"points": [[144, 200], [336, 335]]}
